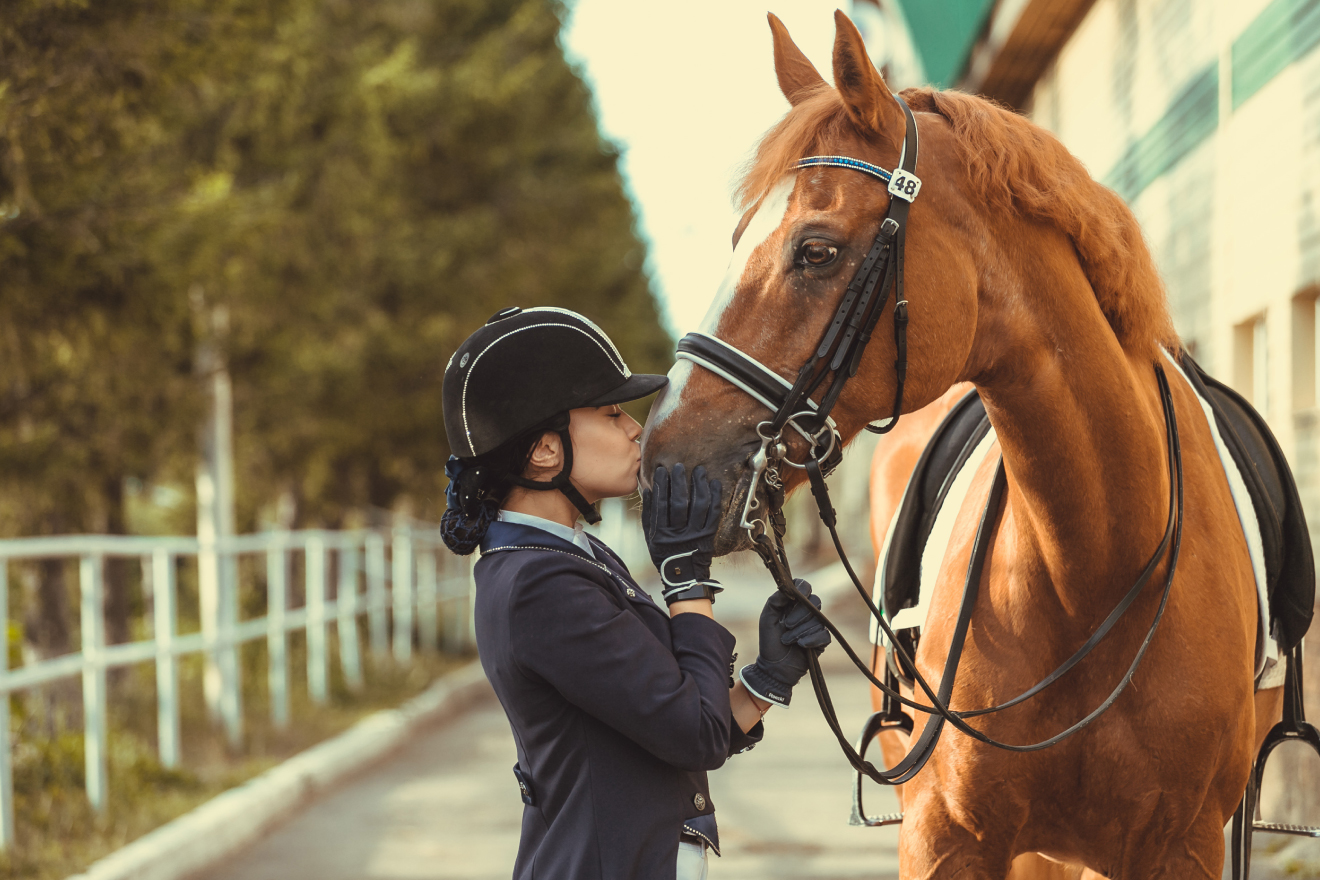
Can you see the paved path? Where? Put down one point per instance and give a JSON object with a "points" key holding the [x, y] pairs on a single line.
{"points": [[446, 806]]}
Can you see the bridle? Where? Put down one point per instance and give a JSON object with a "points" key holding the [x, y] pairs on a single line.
{"points": [[836, 360], [839, 353]]}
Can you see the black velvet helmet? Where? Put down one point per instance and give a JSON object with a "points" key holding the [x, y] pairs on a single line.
{"points": [[526, 365]]}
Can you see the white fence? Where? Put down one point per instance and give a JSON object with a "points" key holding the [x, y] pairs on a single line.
{"points": [[405, 574]]}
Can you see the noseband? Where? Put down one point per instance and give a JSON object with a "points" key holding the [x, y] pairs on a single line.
{"points": [[836, 360], [838, 355]]}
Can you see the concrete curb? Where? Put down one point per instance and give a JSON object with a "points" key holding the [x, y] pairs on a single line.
{"points": [[229, 821]]}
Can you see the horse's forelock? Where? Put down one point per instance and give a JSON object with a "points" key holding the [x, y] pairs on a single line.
{"points": [[815, 119]]}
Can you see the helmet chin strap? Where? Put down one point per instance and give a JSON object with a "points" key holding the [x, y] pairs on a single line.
{"points": [[563, 484]]}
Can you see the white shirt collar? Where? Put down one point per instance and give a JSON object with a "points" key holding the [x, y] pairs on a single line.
{"points": [[574, 535]]}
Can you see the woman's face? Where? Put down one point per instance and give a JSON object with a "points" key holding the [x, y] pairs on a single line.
{"points": [[606, 452]]}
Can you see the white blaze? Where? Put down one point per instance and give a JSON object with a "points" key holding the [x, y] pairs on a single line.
{"points": [[764, 222], [768, 217]]}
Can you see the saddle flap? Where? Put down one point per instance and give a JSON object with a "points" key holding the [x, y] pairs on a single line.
{"points": [[1289, 560]]}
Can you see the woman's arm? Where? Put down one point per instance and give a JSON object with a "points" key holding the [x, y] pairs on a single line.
{"points": [[747, 709]]}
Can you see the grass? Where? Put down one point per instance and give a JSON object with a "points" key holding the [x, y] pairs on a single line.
{"points": [[58, 833]]}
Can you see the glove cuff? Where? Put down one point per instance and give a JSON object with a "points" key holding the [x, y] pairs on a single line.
{"points": [[684, 569], [764, 686], [695, 590]]}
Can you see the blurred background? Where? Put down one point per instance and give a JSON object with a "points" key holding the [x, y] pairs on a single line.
{"points": [[238, 241]]}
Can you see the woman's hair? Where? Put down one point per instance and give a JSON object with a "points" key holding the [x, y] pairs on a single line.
{"points": [[478, 487]]}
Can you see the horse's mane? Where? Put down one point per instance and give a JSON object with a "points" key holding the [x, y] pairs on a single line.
{"points": [[1012, 165]]}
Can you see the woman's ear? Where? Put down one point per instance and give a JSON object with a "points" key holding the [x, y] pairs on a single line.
{"points": [[548, 454]]}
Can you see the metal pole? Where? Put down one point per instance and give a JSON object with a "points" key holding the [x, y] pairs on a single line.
{"points": [[167, 665], [317, 663], [401, 589], [6, 753], [94, 688], [427, 618], [376, 620], [350, 658], [277, 602]]}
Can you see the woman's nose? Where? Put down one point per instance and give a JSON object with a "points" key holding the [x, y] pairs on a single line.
{"points": [[634, 430]]}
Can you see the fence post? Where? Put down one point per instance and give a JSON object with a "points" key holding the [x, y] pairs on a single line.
{"points": [[346, 599], [167, 665], [376, 621], [427, 618], [401, 588], [91, 581], [231, 692], [277, 638], [317, 679], [208, 602], [6, 753]]}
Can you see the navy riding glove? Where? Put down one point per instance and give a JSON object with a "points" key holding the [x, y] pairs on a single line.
{"points": [[788, 632], [680, 531]]}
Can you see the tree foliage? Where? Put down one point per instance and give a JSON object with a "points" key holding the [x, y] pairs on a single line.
{"points": [[353, 186]]}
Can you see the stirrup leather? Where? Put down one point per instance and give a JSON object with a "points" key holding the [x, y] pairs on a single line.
{"points": [[1293, 727]]}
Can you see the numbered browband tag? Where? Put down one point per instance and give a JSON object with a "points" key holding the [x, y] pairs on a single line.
{"points": [[904, 185]]}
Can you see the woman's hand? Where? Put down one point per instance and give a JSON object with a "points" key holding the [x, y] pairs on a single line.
{"points": [[680, 532], [788, 633]]}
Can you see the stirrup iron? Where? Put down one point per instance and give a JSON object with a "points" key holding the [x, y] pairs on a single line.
{"points": [[1293, 727]]}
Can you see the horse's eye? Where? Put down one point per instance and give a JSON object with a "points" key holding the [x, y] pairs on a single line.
{"points": [[817, 253]]}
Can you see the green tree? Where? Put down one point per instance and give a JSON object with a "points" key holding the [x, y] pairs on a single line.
{"points": [[356, 186]]}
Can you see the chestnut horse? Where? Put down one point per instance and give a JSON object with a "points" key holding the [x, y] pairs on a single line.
{"points": [[1028, 279]]}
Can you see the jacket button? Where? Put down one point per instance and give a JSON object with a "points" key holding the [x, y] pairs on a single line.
{"points": [[699, 801], [632, 594]]}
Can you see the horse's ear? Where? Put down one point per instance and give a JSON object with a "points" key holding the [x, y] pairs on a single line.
{"points": [[870, 103], [798, 77]]}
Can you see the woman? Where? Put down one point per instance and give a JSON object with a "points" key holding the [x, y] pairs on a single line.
{"points": [[617, 708]]}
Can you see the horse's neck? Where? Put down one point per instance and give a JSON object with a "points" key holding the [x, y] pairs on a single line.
{"points": [[1081, 429]]}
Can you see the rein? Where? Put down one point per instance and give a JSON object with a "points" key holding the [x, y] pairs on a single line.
{"points": [[838, 356]]}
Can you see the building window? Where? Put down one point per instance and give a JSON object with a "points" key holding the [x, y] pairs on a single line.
{"points": [[1304, 365], [1250, 364]]}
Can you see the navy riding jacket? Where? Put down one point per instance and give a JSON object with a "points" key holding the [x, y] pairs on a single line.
{"points": [[617, 710]]}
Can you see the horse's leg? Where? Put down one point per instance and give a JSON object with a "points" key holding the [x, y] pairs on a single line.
{"points": [[1034, 866], [934, 846], [1196, 855]]}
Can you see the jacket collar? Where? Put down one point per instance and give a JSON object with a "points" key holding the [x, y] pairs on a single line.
{"points": [[506, 535], [502, 535]]}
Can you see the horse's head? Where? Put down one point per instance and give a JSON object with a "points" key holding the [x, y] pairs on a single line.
{"points": [[797, 247]]}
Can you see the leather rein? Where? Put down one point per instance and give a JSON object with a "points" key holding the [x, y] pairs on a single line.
{"points": [[837, 359]]}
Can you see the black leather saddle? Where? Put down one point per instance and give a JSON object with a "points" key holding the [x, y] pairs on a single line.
{"points": [[1289, 564]]}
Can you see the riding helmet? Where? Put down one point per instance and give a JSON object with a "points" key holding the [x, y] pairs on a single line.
{"points": [[526, 366]]}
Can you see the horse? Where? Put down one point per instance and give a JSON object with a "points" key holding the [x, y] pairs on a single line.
{"points": [[1028, 279]]}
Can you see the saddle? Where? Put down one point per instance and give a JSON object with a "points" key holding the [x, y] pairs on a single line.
{"points": [[1286, 544]]}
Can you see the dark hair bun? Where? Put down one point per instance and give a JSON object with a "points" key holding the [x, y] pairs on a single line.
{"points": [[461, 532]]}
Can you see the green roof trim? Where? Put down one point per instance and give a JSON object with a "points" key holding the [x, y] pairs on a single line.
{"points": [[944, 32], [1191, 118], [1283, 32]]}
